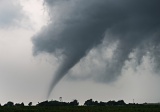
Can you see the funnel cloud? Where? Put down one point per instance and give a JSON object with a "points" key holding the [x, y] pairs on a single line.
{"points": [[78, 26]]}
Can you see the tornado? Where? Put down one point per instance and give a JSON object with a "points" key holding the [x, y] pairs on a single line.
{"points": [[78, 26]]}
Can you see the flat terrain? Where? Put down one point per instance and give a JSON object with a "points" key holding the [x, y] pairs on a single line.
{"points": [[154, 108]]}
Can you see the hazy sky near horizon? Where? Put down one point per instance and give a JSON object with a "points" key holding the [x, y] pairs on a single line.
{"points": [[36, 37]]}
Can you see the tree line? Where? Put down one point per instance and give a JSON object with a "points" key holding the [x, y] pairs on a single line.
{"points": [[75, 102]]}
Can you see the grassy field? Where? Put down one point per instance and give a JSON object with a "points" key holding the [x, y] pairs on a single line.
{"points": [[83, 109]]}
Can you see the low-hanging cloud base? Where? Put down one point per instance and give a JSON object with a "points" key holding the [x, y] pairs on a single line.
{"points": [[78, 26]]}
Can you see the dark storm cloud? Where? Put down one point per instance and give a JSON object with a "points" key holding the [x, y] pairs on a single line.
{"points": [[11, 13], [77, 26]]}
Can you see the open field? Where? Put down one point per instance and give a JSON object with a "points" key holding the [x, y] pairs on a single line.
{"points": [[154, 108]]}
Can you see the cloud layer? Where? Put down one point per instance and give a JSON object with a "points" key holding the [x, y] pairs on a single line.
{"points": [[77, 26], [11, 13]]}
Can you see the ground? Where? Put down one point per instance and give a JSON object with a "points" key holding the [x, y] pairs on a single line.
{"points": [[144, 108]]}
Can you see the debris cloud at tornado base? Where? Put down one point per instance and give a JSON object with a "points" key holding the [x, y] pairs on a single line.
{"points": [[78, 26]]}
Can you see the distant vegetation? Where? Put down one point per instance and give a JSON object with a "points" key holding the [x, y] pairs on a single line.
{"points": [[109, 103], [57, 103], [73, 106], [75, 102]]}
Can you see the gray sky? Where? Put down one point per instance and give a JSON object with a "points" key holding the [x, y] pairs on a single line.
{"points": [[78, 49]]}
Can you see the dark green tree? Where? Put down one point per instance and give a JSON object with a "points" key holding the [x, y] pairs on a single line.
{"points": [[89, 102], [30, 104], [9, 104], [74, 103]]}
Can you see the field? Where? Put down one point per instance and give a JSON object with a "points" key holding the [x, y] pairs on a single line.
{"points": [[154, 108]]}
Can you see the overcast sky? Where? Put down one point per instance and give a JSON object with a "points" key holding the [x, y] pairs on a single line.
{"points": [[78, 49]]}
